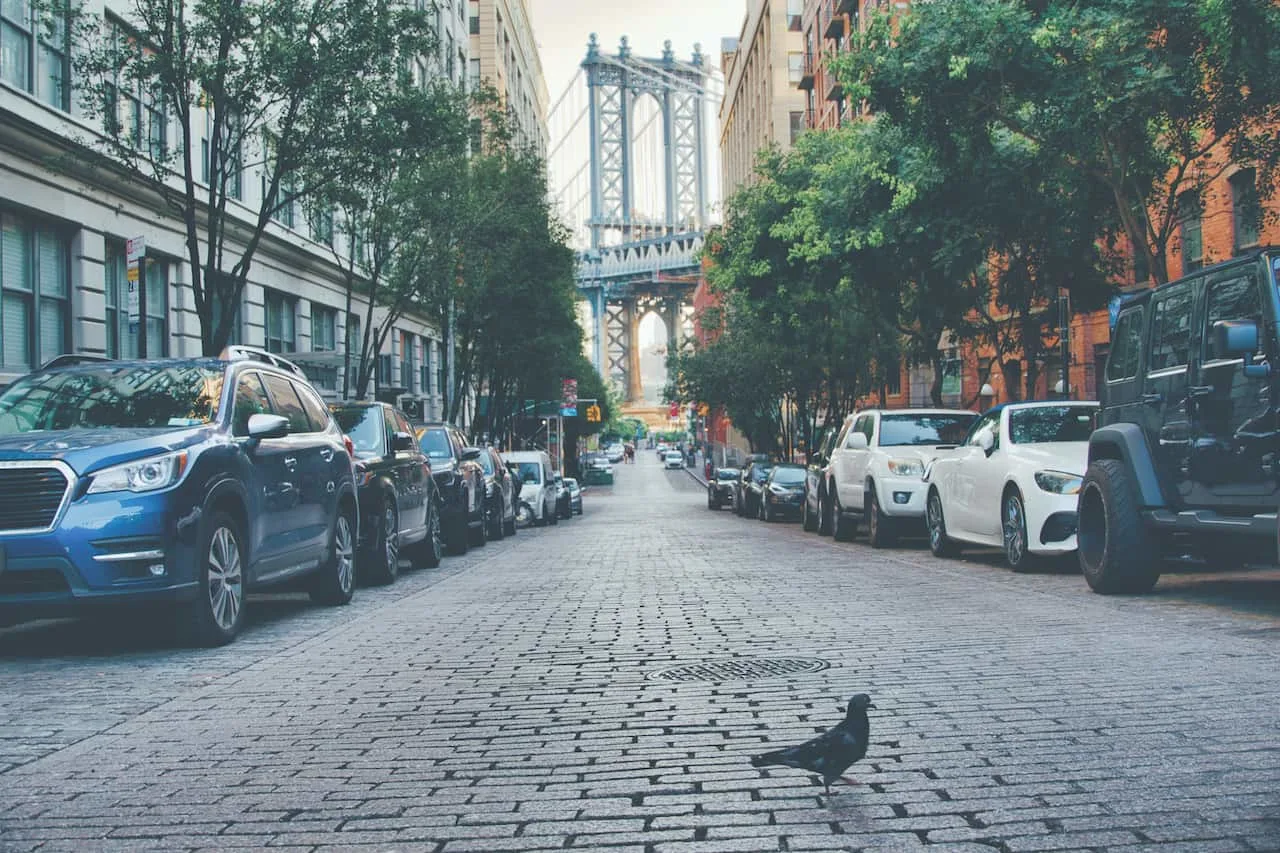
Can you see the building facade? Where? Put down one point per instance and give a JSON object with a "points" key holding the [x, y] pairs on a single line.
{"points": [[762, 103], [504, 55], [64, 228]]}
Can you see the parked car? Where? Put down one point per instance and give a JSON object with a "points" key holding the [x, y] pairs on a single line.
{"points": [[575, 495], [673, 459], [782, 492], [874, 475], [500, 502], [720, 488], [455, 466], [537, 488], [615, 452], [563, 508], [399, 507], [747, 492], [815, 479], [178, 483], [1184, 459], [1013, 483]]}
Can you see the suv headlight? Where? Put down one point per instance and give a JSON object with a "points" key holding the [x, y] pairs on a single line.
{"points": [[145, 475], [906, 467], [1058, 482]]}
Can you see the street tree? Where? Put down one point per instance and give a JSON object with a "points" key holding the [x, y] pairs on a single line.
{"points": [[202, 97]]}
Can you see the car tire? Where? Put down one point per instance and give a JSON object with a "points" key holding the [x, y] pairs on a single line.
{"points": [[525, 516], [843, 528], [552, 515], [712, 502], [334, 582], [478, 529], [497, 527], [824, 514], [1118, 555], [457, 535], [216, 615], [766, 514], [429, 553], [880, 528], [381, 564], [1013, 531], [940, 545], [808, 520]]}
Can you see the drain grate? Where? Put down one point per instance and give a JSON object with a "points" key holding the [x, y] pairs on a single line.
{"points": [[740, 669]]}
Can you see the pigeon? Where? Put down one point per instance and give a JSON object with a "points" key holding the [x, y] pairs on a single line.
{"points": [[833, 751]]}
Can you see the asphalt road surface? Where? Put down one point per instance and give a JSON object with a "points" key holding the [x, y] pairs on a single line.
{"points": [[601, 684]]}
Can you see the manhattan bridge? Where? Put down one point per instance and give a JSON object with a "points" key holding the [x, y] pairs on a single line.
{"points": [[629, 171]]}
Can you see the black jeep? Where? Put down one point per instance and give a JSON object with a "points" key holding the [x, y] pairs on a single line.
{"points": [[1186, 457]]}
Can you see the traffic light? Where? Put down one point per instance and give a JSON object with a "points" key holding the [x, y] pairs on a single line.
{"points": [[593, 413], [703, 410], [675, 410]]}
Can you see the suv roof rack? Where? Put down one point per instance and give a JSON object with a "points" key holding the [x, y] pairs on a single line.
{"points": [[72, 359], [238, 352]]}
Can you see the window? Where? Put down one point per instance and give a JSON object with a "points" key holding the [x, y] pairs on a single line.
{"points": [[923, 430], [1189, 212], [1234, 299], [988, 425], [865, 424], [893, 379], [137, 116], [1171, 329], [35, 315], [285, 402], [314, 406], [34, 50], [406, 361], [1126, 347], [320, 223], [473, 26], [1051, 424], [121, 337], [324, 328], [281, 334], [230, 156], [795, 8], [251, 399], [795, 66], [1245, 209], [1141, 269], [951, 372], [354, 341]]}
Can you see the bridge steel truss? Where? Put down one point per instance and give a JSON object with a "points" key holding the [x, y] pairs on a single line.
{"points": [[637, 266]]}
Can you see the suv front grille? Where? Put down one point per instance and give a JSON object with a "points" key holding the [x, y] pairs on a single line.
{"points": [[30, 496]]}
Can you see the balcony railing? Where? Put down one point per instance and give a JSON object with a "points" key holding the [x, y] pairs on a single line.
{"points": [[808, 73], [833, 20]]}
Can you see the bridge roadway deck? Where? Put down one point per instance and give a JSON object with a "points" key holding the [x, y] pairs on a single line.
{"points": [[508, 701]]}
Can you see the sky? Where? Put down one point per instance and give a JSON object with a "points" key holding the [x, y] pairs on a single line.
{"points": [[562, 28]]}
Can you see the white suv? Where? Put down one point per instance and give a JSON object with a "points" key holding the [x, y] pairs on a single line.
{"points": [[876, 465]]}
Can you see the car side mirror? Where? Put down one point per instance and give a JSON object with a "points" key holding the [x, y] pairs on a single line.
{"points": [[1239, 339], [987, 442], [858, 441], [268, 426], [401, 441], [470, 454]]}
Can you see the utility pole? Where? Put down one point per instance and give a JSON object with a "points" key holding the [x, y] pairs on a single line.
{"points": [[1064, 341]]}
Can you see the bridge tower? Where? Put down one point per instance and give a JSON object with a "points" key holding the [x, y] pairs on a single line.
{"points": [[637, 264]]}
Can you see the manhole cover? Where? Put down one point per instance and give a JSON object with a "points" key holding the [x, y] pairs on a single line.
{"points": [[740, 669]]}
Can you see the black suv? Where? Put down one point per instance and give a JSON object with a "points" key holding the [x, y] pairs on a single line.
{"points": [[399, 509], [460, 481], [1186, 457]]}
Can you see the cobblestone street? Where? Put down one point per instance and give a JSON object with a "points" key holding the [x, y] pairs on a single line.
{"points": [[514, 699]]}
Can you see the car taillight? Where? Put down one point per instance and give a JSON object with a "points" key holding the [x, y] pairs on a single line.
{"points": [[350, 445]]}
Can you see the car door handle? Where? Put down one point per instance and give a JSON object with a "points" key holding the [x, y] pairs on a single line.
{"points": [[1199, 390], [327, 454], [1153, 399], [291, 462]]}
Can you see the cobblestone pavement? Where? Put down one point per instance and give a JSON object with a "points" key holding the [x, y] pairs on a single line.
{"points": [[511, 700]]}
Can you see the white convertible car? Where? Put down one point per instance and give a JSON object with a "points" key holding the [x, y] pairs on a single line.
{"points": [[1013, 483]]}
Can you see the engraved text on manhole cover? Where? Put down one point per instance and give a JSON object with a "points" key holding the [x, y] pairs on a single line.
{"points": [[740, 669]]}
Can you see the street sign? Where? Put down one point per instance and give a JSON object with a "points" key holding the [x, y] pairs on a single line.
{"points": [[568, 412], [135, 251]]}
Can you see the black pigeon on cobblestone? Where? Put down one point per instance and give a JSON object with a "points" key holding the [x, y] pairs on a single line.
{"points": [[833, 751]]}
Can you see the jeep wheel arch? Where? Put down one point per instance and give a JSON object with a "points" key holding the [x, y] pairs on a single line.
{"points": [[1126, 443]]}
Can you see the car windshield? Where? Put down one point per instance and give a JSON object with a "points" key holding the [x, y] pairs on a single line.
{"points": [[435, 443], [571, 483], [760, 473], [1046, 424], [675, 454], [530, 472], [923, 430], [788, 476], [365, 426], [728, 474], [158, 396]]}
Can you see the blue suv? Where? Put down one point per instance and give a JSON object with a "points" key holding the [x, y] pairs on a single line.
{"points": [[177, 483]]}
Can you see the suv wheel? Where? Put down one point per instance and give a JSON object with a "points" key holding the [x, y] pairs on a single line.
{"points": [[456, 534], [712, 503], [217, 613], [1117, 553], [808, 520], [382, 563], [335, 580], [551, 516], [509, 527], [824, 514], [497, 529], [430, 551], [479, 532], [939, 543], [1013, 528], [879, 526]]}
